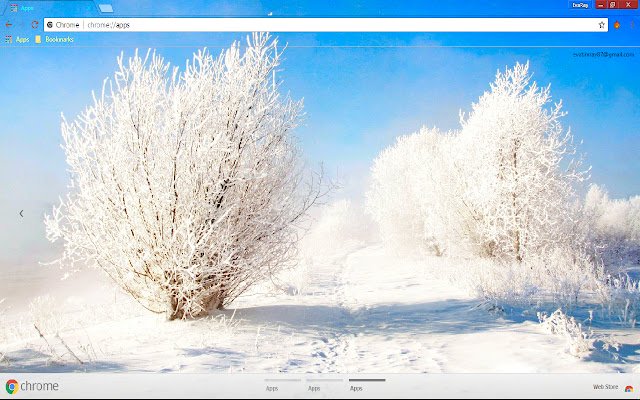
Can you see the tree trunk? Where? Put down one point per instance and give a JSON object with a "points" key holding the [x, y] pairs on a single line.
{"points": [[514, 203]]}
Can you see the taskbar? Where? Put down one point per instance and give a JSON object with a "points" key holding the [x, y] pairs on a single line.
{"points": [[289, 385]]}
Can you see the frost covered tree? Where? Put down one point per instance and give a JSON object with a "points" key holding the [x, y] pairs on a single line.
{"points": [[502, 186], [185, 185], [520, 168], [409, 191], [614, 225], [392, 199]]}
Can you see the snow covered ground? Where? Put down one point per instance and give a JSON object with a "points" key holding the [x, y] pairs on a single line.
{"points": [[364, 311]]}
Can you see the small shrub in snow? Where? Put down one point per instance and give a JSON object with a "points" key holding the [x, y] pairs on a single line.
{"points": [[620, 296], [565, 275], [218, 328], [557, 278], [614, 226], [185, 185], [501, 283], [46, 314], [558, 323], [609, 345]]}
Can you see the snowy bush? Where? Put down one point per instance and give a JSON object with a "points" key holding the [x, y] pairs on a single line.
{"points": [[503, 186], [500, 282], [185, 185], [46, 314], [558, 323], [620, 296], [566, 275], [614, 226], [412, 195], [560, 278], [392, 200]]}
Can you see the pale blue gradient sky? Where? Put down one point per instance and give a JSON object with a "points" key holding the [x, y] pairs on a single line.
{"points": [[357, 100]]}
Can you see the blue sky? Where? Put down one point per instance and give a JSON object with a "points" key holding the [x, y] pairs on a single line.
{"points": [[358, 96]]}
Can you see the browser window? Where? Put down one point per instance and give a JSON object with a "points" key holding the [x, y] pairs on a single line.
{"points": [[269, 199]]}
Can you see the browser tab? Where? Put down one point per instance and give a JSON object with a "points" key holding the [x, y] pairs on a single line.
{"points": [[105, 8]]}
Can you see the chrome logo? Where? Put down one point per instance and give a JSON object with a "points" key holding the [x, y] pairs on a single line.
{"points": [[12, 386]]}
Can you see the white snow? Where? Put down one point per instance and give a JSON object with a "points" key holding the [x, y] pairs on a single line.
{"points": [[366, 310]]}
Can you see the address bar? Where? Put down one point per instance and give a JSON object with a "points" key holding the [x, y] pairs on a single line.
{"points": [[326, 25]]}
